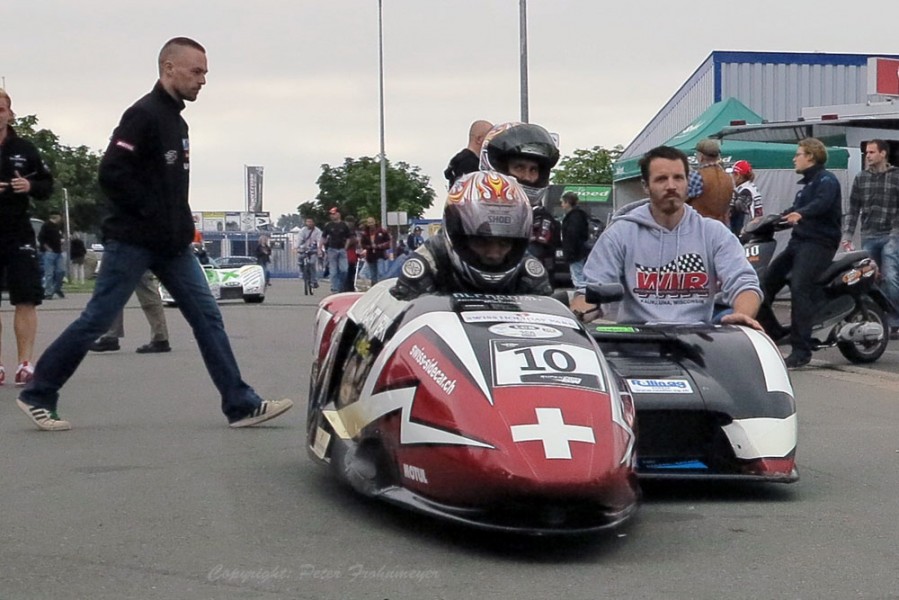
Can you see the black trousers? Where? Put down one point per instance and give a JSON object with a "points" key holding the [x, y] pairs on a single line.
{"points": [[803, 262]]}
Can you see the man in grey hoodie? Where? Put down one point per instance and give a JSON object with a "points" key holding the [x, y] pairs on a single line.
{"points": [[671, 261]]}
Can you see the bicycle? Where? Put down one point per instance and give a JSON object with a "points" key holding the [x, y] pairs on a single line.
{"points": [[307, 264]]}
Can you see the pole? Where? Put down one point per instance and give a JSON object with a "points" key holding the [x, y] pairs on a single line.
{"points": [[523, 37], [381, 80], [65, 196]]}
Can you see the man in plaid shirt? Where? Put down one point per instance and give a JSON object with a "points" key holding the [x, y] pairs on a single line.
{"points": [[875, 196]]}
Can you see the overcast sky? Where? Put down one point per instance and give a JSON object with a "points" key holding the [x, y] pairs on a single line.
{"points": [[293, 84]]}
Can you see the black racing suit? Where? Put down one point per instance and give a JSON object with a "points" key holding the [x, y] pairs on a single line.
{"points": [[145, 174], [20, 272], [429, 271], [20, 156]]}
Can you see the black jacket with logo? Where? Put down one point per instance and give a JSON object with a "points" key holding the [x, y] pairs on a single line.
{"points": [[145, 174], [20, 156]]}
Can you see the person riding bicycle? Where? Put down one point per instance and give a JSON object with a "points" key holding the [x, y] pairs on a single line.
{"points": [[482, 246], [308, 248], [528, 153]]}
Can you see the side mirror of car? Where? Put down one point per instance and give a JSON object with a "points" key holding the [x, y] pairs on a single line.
{"points": [[604, 293]]}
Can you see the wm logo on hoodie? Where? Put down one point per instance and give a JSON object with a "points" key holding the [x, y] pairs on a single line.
{"points": [[685, 276]]}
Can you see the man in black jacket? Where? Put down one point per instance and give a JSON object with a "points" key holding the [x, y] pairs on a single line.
{"points": [[815, 216], [575, 233], [144, 173], [23, 175]]}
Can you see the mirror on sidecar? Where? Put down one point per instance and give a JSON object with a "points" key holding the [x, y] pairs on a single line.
{"points": [[604, 293]]}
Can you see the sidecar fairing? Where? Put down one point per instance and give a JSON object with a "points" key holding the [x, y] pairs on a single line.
{"points": [[712, 401], [494, 411]]}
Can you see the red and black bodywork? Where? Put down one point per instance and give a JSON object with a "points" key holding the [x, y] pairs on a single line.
{"points": [[494, 411]]}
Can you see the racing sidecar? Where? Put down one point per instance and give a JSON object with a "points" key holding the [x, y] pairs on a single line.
{"points": [[494, 411], [712, 402]]}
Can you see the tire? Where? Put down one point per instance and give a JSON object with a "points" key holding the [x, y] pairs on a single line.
{"points": [[254, 299], [306, 273], [307, 279], [858, 352]]}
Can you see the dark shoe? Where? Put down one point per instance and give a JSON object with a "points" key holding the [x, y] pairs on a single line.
{"points": [[61, 295], [781, 335], [162, 346], [794, 361], [105, 344]]}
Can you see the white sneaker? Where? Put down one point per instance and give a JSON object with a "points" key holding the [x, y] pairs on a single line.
{"points": [[44, 419], [269, 409]]}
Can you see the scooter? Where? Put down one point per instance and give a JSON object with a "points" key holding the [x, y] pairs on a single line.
{"points": [[853, 317]]}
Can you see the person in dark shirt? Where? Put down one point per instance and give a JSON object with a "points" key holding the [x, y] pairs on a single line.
{"points": [[77, 252], [468, 159], [145, 175], [353, 252], [376, 242], [575, 233], [50, 240], [815, 215], [23, 176], [264, 257], [415, 239], [334, 240]]}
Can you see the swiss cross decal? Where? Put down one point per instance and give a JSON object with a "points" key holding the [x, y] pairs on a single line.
{"points": [[553, 432]]}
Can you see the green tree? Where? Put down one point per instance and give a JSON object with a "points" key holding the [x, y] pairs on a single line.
{"points": [[288, 222], [74, 168], [355, 188], [587, 166]]}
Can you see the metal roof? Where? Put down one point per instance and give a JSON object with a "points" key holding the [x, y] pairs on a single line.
{"points": [[831, 132]]}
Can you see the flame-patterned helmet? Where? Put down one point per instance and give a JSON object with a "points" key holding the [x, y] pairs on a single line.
{"points": [[482, 207], [514, 139]]}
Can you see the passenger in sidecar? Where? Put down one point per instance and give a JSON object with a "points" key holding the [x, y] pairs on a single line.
{"points": [[671, 261]]}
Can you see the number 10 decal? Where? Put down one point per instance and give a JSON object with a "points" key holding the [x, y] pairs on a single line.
{"points": [[545, 363], [550, 359]]}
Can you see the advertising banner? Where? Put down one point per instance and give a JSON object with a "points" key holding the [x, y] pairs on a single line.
{"points": [[213, 221], [232, 221], [254, 188]]}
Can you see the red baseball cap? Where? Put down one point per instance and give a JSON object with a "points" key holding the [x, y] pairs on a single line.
{"points": [[742, 167]]}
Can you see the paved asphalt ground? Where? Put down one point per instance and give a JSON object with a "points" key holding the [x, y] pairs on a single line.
{"points": [[151, 495]]}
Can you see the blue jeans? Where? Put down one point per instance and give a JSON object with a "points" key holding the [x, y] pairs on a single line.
{"points": [[576, 268], [123, 265], [885, 252], [54, 271], [337, 264]]}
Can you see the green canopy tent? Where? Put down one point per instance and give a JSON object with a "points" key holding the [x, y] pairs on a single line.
{"points": [[761, 155]]}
